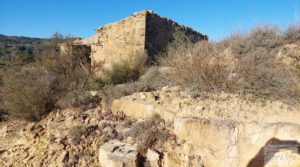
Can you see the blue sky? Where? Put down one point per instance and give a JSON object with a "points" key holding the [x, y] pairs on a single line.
{"points": [[217, 19]]}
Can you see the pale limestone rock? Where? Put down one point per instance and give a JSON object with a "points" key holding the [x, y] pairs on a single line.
{"points": [[3, 131], [143, 96], [130, 140], [132, 108], [221, 105], [63, 156], [30, 126], [266, 137], [229, 143], [56, 147], [153, 158], [211, 137], [220, 130], [115, 153], [178, 158]]}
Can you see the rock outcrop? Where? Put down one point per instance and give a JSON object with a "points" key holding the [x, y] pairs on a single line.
{"points": [[220, 129], [165, 128]]}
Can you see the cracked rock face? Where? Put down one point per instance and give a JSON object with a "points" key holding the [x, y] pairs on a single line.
{"points": [[221, 129]]}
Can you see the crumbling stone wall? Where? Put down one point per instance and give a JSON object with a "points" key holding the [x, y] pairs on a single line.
{"points": [[121, 39], [141, 32], [160, 30]]}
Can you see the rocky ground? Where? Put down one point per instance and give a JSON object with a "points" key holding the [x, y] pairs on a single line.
{"points": [[221, 129], [63, 138], [169, 127], [72, 137]]}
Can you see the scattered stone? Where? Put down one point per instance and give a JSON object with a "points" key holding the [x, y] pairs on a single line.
{"points": [[3, 131], [30, 126], [143, 96], [64, 156], [228, 131], [199, 108], [102, 124], [115, 153], [130, 140], [153, 158]]}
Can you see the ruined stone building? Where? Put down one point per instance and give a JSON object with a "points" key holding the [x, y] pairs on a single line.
{"points": [[143, 31]]}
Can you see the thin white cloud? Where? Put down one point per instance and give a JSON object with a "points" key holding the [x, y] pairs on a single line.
{"points": [[296, 17]]}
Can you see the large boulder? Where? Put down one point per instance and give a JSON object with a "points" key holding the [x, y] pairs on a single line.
{"points": [[212, 139], [223, 142], [172, 102]]}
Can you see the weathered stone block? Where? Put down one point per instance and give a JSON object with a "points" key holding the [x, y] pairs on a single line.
{"points": [[115, 153]]}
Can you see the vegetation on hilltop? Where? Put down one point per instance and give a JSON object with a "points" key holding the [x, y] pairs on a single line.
{"points": [[245, 63]]}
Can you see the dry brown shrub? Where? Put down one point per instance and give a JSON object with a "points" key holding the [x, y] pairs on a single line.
{"points": [[200, 66], [259, 70], [30, 91], [292, 33], [147, 133], [242, 63], [26, 93]]}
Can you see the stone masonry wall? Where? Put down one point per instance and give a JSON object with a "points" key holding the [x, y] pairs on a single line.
{"points": [[160, 30], [141, 32], [121, 39]]}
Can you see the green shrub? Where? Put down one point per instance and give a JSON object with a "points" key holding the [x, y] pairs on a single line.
{"points": [[151, 80], [127, 70], [180, 41]]}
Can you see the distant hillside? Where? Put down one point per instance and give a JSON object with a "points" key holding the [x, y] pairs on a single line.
{"points": [[14, 45]]}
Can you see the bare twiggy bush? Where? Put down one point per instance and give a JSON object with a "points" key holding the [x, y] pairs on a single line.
{"points": [[259, 70], [70, 70], [147, 134], [244, 63], [30, 91], [292, 33], [80, 99], [200, 66], [26, 92]]}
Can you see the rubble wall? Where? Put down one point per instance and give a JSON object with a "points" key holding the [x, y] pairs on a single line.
{"points": [[119, 40], [159, 33]]}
